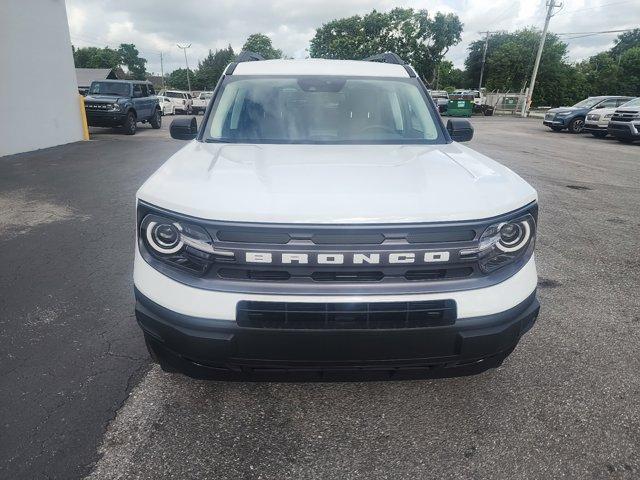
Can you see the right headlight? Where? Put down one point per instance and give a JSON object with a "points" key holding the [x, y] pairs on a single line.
{"points": [[180, 244], [505, 242]]}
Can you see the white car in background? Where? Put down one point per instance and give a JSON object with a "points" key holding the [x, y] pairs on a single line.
{"points": [[200, 102], [597, 120], [167, 107], [182, 101]]}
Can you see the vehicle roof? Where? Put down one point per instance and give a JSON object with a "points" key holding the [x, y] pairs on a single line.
{"points": [[124, 81], [318, 66]]}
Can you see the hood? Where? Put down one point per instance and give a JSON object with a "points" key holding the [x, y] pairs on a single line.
{"points": [[564, 109], [335, 184], [102, 98], [602, 111]]}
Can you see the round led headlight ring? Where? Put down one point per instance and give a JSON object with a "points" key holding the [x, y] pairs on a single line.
{"points": [[164, 237], [514, 236]]}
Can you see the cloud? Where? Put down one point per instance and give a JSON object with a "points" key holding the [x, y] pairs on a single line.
{"points": [[155, 26]]}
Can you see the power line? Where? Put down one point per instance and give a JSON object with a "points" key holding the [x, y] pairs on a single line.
{"points": [[596, 7]]}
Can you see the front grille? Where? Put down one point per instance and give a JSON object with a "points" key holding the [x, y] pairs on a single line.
{"points": [[310, 316], [623, 117], [98, 106]]}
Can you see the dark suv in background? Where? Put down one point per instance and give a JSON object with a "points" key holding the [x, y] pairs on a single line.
{"points": [[572, 118], [122, 103]]}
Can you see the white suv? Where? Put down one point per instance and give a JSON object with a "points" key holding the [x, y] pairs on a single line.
{"points": [[324, 220]]}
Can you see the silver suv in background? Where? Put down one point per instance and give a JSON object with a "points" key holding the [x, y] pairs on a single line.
{"points": [[625, 122]]}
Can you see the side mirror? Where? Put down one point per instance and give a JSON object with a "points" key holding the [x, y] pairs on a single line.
{"points": [[460, 130], [184, 128]]}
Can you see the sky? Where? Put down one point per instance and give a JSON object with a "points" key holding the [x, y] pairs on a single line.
{"points": [[156, 26]]}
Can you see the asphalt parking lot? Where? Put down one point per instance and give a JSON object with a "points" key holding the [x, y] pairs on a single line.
{"points": [[79, 397]]}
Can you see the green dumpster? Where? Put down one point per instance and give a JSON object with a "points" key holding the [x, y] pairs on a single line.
{"points": [[460, 106]]}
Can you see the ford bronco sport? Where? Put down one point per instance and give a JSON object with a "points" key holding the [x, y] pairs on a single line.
{"points": [[323, 220], [122, 103]]}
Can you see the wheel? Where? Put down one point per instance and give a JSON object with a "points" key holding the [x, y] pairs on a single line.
{"points": [[556, 129], [156, 120], [576, 125], [599, 134], [130, 124]]}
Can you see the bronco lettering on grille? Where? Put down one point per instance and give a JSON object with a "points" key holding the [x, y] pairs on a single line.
{"points": [[346, 258]]}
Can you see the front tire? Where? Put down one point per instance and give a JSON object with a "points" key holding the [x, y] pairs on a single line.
{"points": [[156, 120], [130, 124], [576, 125]]}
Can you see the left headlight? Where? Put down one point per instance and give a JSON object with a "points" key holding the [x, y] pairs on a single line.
{"points": [[114, 107], [180, 244], [608, 115], [505, 242]]}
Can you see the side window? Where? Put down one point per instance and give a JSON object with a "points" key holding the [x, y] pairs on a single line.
{"points": [[612, 102], [137, 91], [145, 90], [152, 91]]}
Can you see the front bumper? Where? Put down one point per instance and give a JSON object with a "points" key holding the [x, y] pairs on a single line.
{"points": [[105, 119], [594, 127], [624, 130], [555, 122], [206, 348]]}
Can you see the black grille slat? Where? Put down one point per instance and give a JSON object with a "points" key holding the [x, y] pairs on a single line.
{"points": [[359, 315]]}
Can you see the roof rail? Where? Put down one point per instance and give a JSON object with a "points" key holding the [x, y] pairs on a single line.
{"points": [[243, 56], [394, 58], [387, 57], [247, 56]]}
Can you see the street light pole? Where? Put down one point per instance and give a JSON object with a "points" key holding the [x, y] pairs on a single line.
{"points": [[184, 49], [550, 6]]}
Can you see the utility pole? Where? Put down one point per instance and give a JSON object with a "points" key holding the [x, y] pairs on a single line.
{"points": [[551, 4], [184, 49], [484, 57], [162, 71]]}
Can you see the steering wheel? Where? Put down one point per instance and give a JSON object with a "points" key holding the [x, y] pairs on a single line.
{"points": [[383, 128]]}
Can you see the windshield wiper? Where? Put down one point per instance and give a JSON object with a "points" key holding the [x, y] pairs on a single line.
{"points": [[217, 140]]}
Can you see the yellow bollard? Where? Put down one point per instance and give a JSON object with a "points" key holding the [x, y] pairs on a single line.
{"points": [[83, 114]]}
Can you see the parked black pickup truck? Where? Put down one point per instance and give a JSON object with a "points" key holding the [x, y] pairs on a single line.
{"points": [[122, 103]]}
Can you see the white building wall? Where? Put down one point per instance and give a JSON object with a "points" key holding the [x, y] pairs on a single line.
{"points": [[38, 92]]}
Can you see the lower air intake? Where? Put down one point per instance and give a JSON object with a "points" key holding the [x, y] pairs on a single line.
{"points": [[366, 316]]}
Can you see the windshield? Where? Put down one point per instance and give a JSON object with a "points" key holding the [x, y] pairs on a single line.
{"points": [[632, 103], [321, 109], [109, 88], [588, 102]]}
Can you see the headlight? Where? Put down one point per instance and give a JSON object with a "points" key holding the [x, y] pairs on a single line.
{"points": [[504, 243], [114, 107], [608, 115], [180, 244], [594, 117]]}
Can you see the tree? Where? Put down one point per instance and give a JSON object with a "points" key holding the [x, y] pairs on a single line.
{"points": [[509, 63], [178, 79], [130, 57], [450, 78], [417, 38], [211, 68], [625, 41], [93, 57], [260, 43], [126, 55]]}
